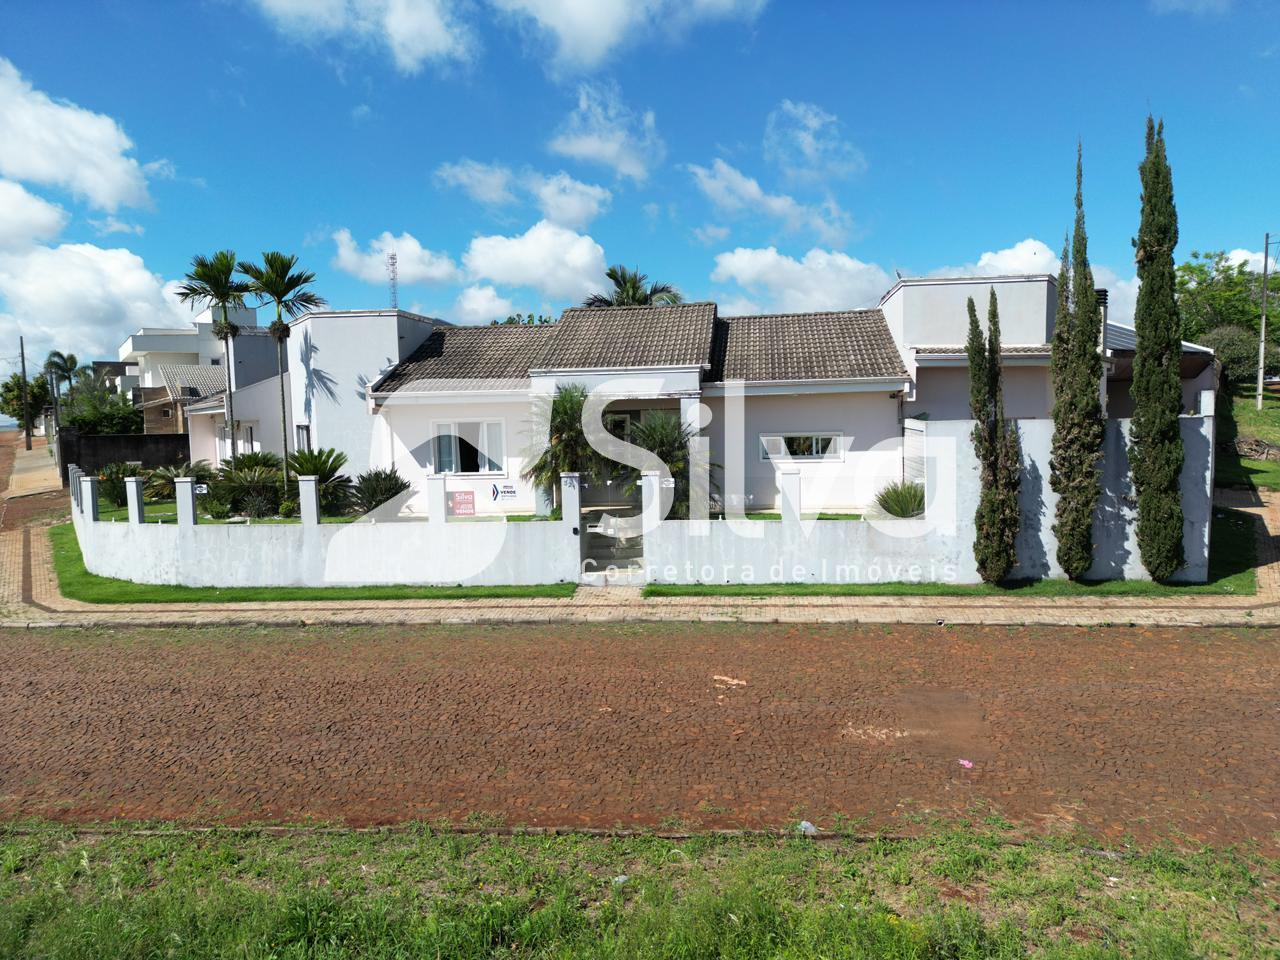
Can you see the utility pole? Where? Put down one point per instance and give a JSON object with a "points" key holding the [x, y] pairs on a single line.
{"points": [[26, 405], [1262, 340]]}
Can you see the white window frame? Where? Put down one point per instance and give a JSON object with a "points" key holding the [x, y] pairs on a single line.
{"points": [[835, 454], [440, 428], [302, 437]]}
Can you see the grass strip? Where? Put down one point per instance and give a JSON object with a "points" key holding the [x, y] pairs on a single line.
{"points": [[956, 892]]}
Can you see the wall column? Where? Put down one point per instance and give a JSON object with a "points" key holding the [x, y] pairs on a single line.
{"points": [[570, 500], [73, 481], [184, 489], [309, 501], [437, 503], [89, 497], [789, 494], [133, 497], [650, 499]]}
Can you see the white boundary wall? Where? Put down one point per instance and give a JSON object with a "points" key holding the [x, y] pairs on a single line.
{"points": [[312, 554], [939, 547]]}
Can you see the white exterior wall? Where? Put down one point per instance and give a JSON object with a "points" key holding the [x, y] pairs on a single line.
{"points": [[257, 407], [332, 358], [864, 421], [410, 427], [939, 547], [331, 554], [942, 393]]}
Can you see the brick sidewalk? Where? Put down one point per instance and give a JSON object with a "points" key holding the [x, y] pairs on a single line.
{"points": [[29, 596]]}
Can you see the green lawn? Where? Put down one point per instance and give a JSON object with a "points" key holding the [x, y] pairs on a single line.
{"points": [[956, 893], [1232, 562], [77, 583], [1232, 471], [1261, 424]]}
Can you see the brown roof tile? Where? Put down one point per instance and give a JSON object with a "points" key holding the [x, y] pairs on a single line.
{"points": [[844, 345], [470, 358], [673, 335]]}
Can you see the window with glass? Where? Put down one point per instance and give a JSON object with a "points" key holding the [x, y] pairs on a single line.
{"points": [[469, 446], [799, 446]]}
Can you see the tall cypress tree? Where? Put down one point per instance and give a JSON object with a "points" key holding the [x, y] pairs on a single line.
{"points": [[1155, 450], [996, 445], [1078, 426]]}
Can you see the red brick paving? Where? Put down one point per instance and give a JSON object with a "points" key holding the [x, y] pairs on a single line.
{"points": [[1144, 731]]}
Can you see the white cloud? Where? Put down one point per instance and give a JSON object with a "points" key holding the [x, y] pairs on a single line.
{"points": [[415, 263], [481, 304], [586, 31], [710, 233], [821, 280], [562, 199], [487, 183], [26, 219], [415, 31], [1025, 256], [80, 297], [732, 191], [804, 142], [109, 225], [604, 130], [1251, 259], [568, 202], [56, 143], [551, 259]]}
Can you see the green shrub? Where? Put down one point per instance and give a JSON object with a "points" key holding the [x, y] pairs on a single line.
{"points": [[288, 507], [259, 458], [111, 481], [160, 484], [904, 498], [258, 505], [326, 466], [235, 486], [375, 487], [215, 508]]}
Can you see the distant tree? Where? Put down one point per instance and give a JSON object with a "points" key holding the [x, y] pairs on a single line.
{"points": [[92, 407], [631, 288], [211, 282], [523, 320], [1236, 349], [38, 395], [999, 451], [62, 368], [1078, 425], [277, 281], [1213, 291], [1155, 448]]}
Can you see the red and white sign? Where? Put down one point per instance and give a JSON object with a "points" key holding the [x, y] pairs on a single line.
{"points": [[462, 503]]}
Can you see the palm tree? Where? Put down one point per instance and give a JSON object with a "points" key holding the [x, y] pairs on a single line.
{"points": [[566, 449], [277, 280], [211, 282], [59, 366], [631, 288]]}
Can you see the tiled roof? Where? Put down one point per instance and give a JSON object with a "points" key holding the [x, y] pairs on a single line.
{"points": [[187, 381], [1006, 350], [673, 335], [845, 345], [470, 358]]}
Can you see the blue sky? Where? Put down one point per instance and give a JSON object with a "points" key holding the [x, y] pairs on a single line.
{"points": [[768, 155]]}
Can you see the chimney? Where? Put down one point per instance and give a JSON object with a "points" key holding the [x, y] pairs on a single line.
{"points": [[1101, 294]]}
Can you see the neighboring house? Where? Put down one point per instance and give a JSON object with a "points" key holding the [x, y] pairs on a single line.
{"points": [[164, 406], [257, 409], [833, 391], [147, 352]]}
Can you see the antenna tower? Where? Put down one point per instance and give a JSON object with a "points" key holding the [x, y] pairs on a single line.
{"points": [[393, 271]]}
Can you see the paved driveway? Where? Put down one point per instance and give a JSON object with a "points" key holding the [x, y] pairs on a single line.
{"points": [[1145, 731]]}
